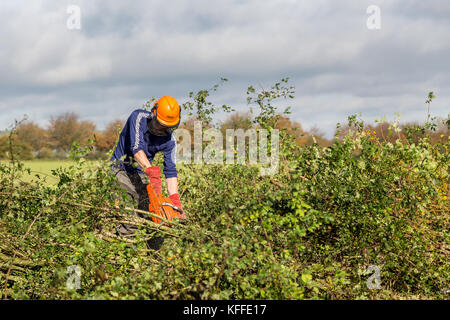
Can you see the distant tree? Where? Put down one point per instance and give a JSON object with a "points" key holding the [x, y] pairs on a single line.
{"points": [[303, 137], [67, 128], [237, 120], [106, 139], [380, 130], [315, 134], [414, 130], [45, 153], [442, 131], [292, 127], [438, 135], [32, 134], [188, 124], [21, 150]]}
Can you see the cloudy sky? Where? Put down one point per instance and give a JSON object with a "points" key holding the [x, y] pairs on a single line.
{"points": [[128, 51]]}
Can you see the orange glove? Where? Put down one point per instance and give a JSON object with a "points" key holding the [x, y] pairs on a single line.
{"points": [[176, 201], [154, 174]]}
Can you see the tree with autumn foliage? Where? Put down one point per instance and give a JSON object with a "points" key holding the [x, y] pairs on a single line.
{"points": [[32, 134], [67, 128], [106, 139]]}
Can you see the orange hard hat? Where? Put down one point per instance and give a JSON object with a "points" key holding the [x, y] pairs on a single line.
{"points": [[167, 111]]}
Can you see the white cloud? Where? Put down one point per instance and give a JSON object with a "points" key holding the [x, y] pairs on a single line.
{"points": [[127, 52]]}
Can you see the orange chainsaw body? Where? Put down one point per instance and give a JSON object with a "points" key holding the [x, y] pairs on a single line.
{"points": [[161, 206]]}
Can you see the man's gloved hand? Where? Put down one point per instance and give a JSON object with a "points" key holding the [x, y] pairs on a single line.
{"points": [[154, 175], [176, 201]]}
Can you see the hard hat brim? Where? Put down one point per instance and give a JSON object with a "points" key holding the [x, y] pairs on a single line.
{"points": [[167, 123]]}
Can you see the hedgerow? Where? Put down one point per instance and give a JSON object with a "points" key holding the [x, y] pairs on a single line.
{"points": [[308, 232]]}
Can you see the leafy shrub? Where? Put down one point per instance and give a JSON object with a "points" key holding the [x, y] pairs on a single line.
{"points": [[308, 232]]}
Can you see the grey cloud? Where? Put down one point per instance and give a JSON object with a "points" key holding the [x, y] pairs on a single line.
{"points": [[127, 52]]}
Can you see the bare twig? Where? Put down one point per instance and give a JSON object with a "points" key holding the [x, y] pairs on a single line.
{"points": [[108, 209]]}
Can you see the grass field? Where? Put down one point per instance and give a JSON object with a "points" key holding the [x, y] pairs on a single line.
{"points": [[44, 168]]}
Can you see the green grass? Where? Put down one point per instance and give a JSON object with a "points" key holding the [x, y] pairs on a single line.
{"points": [[43, 168]]}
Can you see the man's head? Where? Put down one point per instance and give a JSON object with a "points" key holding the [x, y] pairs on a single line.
{"points": [[166, 116]]}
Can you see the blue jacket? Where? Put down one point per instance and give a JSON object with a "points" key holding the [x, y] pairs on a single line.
{"points": [[135, 136]]}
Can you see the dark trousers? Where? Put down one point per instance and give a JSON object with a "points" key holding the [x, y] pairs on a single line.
{"points": [[135, 185]]}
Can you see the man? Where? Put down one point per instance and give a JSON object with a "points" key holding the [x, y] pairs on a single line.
{"points": [[144, 134]]}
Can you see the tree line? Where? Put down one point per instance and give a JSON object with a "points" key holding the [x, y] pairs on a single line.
{"points": [[31, 141]]}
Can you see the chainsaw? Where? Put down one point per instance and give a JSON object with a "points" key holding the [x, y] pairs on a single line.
{"points": [[162, 206]]}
